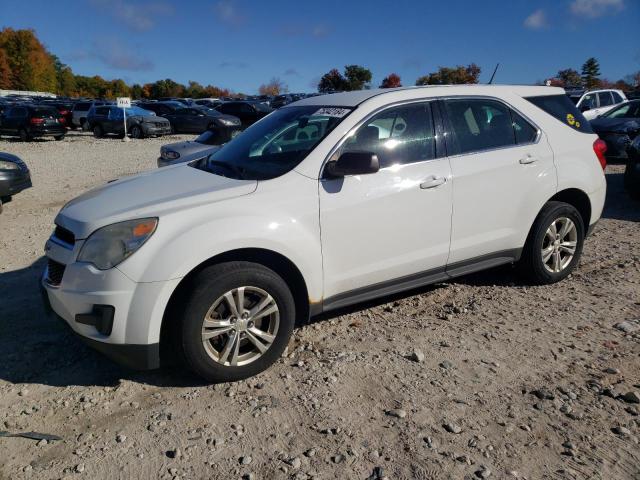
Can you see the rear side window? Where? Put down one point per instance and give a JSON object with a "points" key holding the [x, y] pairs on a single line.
{"points": [[605, 99], [44, 113], [563, 109], [616, 97], [102, 111], [480, 124], [82, 106]]}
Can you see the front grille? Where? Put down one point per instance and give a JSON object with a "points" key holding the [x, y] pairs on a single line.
{"points": [[55, 271], [65, 235]]}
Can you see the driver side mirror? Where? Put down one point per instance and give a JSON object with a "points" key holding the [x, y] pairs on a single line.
{"points": [[353, 163]]}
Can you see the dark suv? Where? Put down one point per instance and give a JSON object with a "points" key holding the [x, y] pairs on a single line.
{"points": [[31, 121], [249, 112], [195, 119], [141, 123]]}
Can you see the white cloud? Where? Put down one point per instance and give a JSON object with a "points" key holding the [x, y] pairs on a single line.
{"points": [[228, 13], [536, 20], [140, 17], [596, 8]]}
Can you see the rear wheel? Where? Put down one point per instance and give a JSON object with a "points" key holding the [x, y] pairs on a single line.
{"points": [[554, 245], [237, 321], [632, 179], [98, 132], [24, 135]]}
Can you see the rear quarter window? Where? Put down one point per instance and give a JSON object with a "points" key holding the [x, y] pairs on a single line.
{"points": [[562, 108]]}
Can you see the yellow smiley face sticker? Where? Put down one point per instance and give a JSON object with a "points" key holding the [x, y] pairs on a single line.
{"points": [[571, 120], [577, 124]]}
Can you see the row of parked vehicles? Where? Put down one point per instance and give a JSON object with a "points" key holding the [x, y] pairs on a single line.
{"points": [[29, 118]]}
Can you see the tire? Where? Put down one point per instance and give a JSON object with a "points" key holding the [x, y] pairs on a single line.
{"points": [[560, 261], [98, 132], [206, 357], [57, 138], [24, 136], [84, 125], [136, 132], [632, 180], [0, 205]]}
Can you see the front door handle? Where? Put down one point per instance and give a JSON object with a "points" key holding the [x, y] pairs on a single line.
{"points": [[527, 160], [433, 181]]}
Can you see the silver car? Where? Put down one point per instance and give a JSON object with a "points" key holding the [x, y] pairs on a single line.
{"points": [[181, 152]]}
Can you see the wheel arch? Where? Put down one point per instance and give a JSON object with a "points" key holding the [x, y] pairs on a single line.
{"points": [[275, 261], [578, 199]]}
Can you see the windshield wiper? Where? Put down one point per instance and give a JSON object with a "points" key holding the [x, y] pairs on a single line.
{"points": [[228, 166]]}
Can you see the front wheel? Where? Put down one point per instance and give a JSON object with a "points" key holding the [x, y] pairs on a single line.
{"points": [[98, 132], [554, 246], [57, 138], [136, 132], [237, 321]]}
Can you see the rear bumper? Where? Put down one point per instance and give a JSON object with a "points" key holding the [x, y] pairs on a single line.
{"points": [[47, 131]]}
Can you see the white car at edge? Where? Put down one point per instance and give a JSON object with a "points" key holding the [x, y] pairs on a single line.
{"points": [[594, 103], [329, 201]]}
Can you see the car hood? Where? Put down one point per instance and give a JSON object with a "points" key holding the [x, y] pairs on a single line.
{"points": [[185, 148], [149, 194], [619, 125]]}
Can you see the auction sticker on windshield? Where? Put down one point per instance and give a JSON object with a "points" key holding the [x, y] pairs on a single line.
{"points": [[331, 112]]}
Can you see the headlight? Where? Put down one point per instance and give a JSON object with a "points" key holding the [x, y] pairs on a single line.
{"points": [[108, 246], [8, 165], [170, 154], [228, 123]]}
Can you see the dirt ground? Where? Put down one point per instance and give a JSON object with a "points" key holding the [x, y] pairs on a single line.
{"points": [[483, 377]]}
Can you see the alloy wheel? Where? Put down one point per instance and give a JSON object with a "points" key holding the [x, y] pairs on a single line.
{"points": [[240, 326], [559, 244]]}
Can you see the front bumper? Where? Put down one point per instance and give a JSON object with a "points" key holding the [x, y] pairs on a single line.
{"points": [[155, 129], [132, 336], [13, 181]]}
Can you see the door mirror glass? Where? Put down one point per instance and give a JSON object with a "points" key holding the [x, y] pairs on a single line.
{"points": [[353, 163]]}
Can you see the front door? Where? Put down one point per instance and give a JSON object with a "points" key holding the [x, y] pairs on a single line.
{"points": [[391, 227]]}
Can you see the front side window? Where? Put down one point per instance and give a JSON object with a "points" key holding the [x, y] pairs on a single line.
{"points": [[275, 145], [605, 99], [398, 135], [480, 124], [627, 110], [525, 132], [588, 102]]}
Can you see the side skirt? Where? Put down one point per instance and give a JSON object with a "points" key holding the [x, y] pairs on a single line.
{"points": [[417, 280]]}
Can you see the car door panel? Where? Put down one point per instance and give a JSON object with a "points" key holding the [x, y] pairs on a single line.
{"points": [[387, 226], [497, 192]]}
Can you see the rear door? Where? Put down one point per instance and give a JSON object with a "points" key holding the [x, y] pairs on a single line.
{"points": [[503, 171]]}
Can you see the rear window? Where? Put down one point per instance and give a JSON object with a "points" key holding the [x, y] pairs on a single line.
{"points": [[563, 109], [82, 106], [44, 112]]}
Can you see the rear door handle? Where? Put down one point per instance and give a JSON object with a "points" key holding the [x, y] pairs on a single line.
{"points": [[528, 159], [432, 182]]}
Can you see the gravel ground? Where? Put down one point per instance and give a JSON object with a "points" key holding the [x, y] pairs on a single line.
{"points": [[483, 377]]}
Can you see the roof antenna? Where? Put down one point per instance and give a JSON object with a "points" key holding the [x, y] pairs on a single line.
{"points": [[494, 73]]}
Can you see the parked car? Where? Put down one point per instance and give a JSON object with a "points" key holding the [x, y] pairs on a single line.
{"points": [[208, 102], [14, 177], [249, 112], [217, 259], [65, 109], [632, 171], [200, 119], [281, 101], [161, 108], [597, 102], [109, 119], [203, 146], [80, 111], [31, 121], [618, 127]]}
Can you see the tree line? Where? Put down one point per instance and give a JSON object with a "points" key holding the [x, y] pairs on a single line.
{"points": [[26, 64]]}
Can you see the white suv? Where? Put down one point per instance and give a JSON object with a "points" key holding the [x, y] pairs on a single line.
{"points": [[329, 201], [594, 103]]}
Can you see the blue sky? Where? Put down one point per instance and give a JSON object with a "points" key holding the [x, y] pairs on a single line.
{"points": [[240, 44]]}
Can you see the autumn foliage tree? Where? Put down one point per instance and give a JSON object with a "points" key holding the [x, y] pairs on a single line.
{"points": [[452, 75], [355, 77], [275, 86], [391, 81]]}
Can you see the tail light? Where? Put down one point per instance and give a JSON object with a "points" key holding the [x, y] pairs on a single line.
{"points": [[37, 121], [600, 148]]}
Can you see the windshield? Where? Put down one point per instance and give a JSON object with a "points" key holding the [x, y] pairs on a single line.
{"points": [[261, 107], [626, 110], [274, 145]]}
